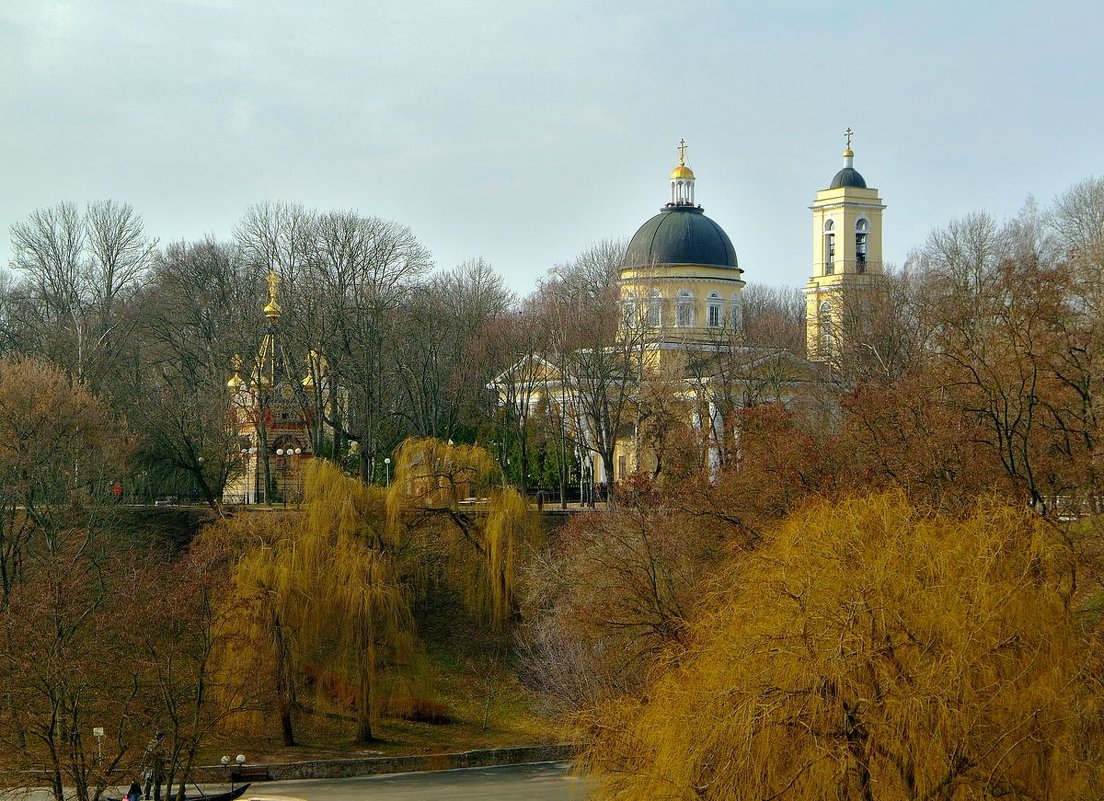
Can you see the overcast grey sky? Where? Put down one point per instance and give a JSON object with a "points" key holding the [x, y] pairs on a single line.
{"points": [[523, 131]]}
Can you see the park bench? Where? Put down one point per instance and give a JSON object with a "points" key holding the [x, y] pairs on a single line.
{"points": [[253, 773]]}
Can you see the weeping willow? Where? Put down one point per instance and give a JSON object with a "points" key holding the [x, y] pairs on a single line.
{"points": [[325, 590], [322, 589], [255, 662], [432, 480], [869, 650]]}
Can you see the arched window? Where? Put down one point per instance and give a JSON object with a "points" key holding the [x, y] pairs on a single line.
{"points": [[628, 312], [714, 307], [862, 232], [684, 308], [737, 313], [824, 320], [655, 310], [829, 247]]}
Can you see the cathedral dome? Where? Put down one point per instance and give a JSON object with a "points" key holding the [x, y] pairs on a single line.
{"points": [[681, 171], [849, 177], [680, 235]]}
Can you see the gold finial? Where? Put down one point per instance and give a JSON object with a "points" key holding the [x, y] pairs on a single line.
{"points": [[235, 381], [272, 310], [681, 171], [847, 135], [312, 366]]}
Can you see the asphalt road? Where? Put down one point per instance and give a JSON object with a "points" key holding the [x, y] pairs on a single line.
{"points": [[538, 782]]}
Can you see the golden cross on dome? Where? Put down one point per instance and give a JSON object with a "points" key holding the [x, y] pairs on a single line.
{"points": [[848, 133], [682, 152]]}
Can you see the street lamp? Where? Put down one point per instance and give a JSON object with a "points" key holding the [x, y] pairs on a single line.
{"points": [[250, 493], [284, 456], [298, 478], [387, 471], [233, 769]]}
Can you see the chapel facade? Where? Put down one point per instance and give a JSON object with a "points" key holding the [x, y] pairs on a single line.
{"points": [[272, 413]]}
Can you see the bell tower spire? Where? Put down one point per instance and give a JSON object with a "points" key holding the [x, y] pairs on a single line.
{"points": [[847, 254]]}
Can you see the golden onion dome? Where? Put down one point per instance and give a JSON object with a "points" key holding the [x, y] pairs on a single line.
{"points": [[683, 172], [235, 382], [849, 154]]}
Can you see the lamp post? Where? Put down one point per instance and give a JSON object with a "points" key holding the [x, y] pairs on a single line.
{"points": [[298, 477], [387, 471], [237, 764], [245, 461], [284, 455], [250, 492]]}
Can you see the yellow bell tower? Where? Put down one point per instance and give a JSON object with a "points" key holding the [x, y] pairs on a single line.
{"points": [[847, 254]]}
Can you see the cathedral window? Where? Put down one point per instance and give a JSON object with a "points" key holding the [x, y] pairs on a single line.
{"points": [[629, 312], [655, 310], [862, 232], [829, 248], [824, 323], [713, 308], [685, 310]]}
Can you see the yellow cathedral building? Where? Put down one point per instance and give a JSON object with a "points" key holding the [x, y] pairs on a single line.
{"points": [[680, 285], [847, 254]]}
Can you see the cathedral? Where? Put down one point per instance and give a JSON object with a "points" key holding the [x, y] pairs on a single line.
{"points": [[680, 336], [680, 285], [681, 279]]}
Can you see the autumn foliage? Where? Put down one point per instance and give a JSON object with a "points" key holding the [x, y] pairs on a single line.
{"points": [[324, 596], [867, 650]]}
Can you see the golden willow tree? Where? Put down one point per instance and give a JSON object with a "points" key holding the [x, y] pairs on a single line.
{"points": [[869, 651], [434, 481], [324, 593], [322, 589]]}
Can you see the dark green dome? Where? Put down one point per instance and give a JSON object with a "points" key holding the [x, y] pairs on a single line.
{"points": [[848, 176], [680, 235]]}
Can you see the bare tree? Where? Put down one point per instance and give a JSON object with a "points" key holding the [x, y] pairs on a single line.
{"points": [[599, 360], [77, 269]]}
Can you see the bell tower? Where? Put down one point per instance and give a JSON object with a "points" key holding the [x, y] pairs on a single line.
{"points": [[847, 254]]}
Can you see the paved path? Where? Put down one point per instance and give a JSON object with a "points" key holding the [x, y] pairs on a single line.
{"points": [[542, 781], [539, 782]]}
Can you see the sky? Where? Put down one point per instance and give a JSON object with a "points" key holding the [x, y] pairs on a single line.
{"points": [[522, 131]]}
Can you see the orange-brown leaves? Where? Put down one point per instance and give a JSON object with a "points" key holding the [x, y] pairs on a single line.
{"points": [[868, 650]]}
